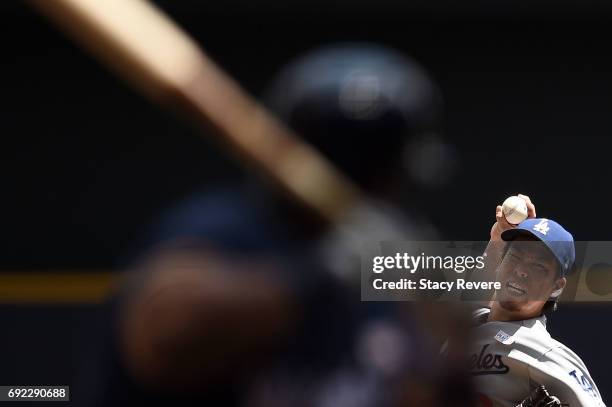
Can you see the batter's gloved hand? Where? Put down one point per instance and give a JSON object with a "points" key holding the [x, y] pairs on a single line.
{"points": [[540, 398]]}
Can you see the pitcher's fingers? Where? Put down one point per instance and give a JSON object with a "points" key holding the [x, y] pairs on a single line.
{"points": [[501, 219], [531, 211]]}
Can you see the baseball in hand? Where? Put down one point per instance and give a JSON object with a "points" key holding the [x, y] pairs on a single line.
{"points": [[514, 210]]}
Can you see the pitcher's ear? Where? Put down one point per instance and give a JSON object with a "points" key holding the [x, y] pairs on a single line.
{"points": [[559, 286]]}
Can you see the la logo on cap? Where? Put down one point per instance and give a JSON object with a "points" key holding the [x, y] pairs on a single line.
{"points": [[542, 226]]}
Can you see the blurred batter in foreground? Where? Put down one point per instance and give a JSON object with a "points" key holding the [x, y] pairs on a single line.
{"points": [[240, 299]]}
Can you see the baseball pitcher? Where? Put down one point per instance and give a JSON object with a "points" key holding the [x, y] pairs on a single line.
{"points": [[513, 354]]}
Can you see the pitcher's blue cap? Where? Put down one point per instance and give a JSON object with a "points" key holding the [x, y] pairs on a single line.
{"points": [[558, 240]]}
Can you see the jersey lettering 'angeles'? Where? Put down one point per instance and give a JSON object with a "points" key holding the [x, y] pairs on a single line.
{"points": [[487, 363]]}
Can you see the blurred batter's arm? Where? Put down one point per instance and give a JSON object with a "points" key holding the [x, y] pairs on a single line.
{"points": [[195, 319]]}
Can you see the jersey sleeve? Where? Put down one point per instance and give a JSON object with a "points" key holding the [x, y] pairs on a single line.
{"points": [[564, 376]]}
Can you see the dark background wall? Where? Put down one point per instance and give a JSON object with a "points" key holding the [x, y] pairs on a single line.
{"points": [[85, 163]]}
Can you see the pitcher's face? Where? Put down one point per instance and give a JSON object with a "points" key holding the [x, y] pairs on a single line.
{"points": [[528, 274]]}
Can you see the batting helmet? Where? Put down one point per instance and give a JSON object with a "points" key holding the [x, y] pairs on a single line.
{"points": [[359, 104]]}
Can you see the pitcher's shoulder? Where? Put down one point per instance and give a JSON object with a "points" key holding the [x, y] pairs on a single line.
{"points": [[562, 352]]}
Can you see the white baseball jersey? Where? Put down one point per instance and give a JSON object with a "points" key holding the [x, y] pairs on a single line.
{"points": [[509, 359]]}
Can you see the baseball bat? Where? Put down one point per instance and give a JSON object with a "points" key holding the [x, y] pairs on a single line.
{"points": [[151, 52]]}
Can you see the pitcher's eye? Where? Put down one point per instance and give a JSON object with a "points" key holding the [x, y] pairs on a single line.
{"points": [[538, 268]]}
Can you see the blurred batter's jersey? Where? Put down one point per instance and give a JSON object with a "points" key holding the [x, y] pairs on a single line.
{"points": [[319, 367], [236, 223], [509, 359]]}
